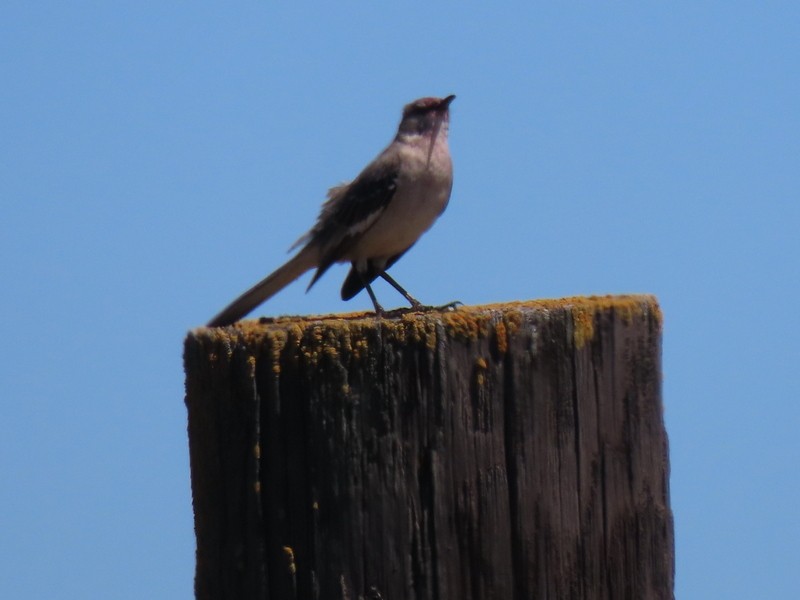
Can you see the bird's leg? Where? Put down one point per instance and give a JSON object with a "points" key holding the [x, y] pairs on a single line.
{"points": [[378, 308], [415, 304]]}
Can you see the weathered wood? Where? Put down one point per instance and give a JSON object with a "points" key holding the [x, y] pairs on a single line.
{"points": [[510, 451]]}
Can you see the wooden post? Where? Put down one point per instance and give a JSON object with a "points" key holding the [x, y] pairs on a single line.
{"points": [[511, 451]]}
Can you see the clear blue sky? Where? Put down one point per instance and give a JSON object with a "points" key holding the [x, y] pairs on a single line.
{"points": [[157, 158]]}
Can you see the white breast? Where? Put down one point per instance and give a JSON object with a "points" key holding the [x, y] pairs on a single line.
{"points": [[423, 191]]}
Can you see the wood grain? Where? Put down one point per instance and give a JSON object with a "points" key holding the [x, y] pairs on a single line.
{"points": [[508, 451]]}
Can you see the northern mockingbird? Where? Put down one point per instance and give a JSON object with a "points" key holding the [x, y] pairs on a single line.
{"points": [[373, 220]]}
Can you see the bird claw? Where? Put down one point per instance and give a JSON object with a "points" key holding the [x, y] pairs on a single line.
{"points": [[418, 307], [450, 306]]}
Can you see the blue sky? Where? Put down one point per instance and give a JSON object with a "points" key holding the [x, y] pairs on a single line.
{"points": [[158, 158]]}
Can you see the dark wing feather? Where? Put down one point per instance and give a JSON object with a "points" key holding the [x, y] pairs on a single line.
{"points": [[352, 210], [355, 281]]}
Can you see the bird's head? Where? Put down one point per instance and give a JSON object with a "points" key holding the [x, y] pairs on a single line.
{"points": [[425, 116]]}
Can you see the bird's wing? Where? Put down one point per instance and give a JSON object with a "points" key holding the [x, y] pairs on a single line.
{"points": [[351, 210]]}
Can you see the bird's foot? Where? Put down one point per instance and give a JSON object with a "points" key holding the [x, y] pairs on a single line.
{"points": [[449, 307], [418, 307]]}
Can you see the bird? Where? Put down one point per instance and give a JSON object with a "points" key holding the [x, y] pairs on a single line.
{"points": [[376, 218]]}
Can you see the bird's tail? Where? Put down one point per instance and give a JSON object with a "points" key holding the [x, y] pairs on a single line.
{"points": [[266, 288]]}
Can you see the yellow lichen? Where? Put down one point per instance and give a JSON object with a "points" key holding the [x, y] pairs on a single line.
{"points": [[513, 321], [627, 308], [251, 363], [420, 330], [583, 325], [501, 337], [480, 369], [655, 310], [327, 336], [466, 325], [287, 550], [278, 341]]}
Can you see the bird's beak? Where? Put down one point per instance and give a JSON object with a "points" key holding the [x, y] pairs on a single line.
{"points": [[446, 101]]}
